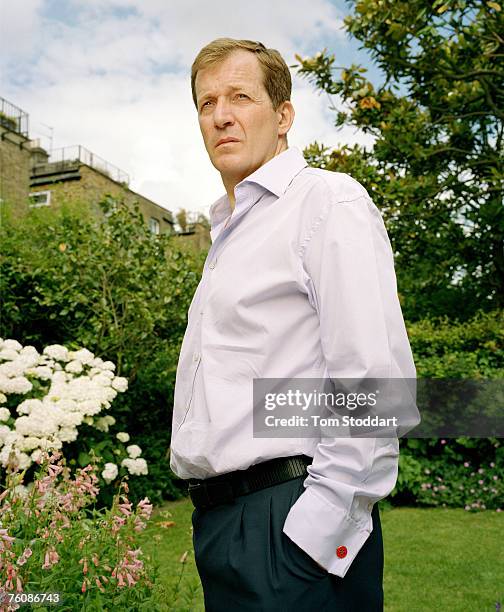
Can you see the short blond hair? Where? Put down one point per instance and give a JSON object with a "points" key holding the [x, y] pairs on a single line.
{"points": [[276, 76]]}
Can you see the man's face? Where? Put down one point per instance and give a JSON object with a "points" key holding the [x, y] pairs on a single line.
{"points": [[240, 128]]}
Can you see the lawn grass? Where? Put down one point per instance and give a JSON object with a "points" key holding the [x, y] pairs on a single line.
{"points": [[435, 559]]}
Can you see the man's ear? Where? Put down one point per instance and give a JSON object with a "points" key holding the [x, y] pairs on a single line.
{"points": [[285, 113]]}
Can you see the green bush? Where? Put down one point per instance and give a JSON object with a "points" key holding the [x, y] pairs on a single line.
{"points": [[112, 286], [459, 472]]}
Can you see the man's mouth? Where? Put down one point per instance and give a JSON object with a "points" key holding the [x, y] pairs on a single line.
{"points": [[226, 141]]}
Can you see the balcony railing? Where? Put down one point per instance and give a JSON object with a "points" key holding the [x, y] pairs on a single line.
{"points": [[68, 156], [13, 118]]}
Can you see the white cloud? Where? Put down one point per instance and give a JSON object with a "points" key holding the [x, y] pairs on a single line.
{"points": [[18, 26], [118, 83]]}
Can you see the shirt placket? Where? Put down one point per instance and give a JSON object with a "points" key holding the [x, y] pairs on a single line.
{"points": [[206, 285]]}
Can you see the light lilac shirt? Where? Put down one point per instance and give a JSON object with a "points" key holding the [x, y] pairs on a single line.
{"points": [[299, 282]]}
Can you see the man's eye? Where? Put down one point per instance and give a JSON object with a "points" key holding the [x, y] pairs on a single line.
{"points": [[206, 103], [241, 95]]}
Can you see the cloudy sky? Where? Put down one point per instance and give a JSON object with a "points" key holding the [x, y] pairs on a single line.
{"points": [[113, 76]]}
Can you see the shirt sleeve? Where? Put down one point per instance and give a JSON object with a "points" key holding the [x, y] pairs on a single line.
{"points": [[350, 279]]}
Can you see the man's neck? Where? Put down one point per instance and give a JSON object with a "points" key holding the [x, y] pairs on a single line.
{"points": [[231, 182]]}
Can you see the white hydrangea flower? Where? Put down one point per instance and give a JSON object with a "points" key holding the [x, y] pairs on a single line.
{"points": [[60, 378], [136, 467], [68, 434], [36, 424], [18, 385], [12, 344], [110, 472], [90, 407], [103, 423], [70, 419], [28, 443], [67, 404], [27, 405], [75, 366], [3, 398], [24, 460], [57, 352], [4, 414], [8, 354], [122, 436], [134, 451], [108, 365], [83, 355], [4, 431], [43, 372], [120, 384], [29, 350], [97, 363], [104, 379]]}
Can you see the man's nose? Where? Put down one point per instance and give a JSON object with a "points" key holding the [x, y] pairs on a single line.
{"points": [[223, 113]]}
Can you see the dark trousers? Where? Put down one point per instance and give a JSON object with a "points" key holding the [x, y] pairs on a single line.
{"points": [[246, 562]]}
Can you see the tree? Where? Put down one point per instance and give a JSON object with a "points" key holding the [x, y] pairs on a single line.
{"points": [[436, 167]]}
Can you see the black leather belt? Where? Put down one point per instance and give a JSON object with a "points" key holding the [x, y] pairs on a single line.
{"points": [[224, 488]]}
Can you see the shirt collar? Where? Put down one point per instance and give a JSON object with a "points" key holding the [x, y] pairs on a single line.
{"points": [[275, 176]]}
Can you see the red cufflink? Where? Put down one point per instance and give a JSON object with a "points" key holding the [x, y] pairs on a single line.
{"points": [[341, 551]]}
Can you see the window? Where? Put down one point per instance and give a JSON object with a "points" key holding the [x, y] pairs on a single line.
{"points": [[40, 198], [154, 225]]}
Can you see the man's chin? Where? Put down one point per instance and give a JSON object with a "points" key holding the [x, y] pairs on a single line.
{"points": [[228, 163]]}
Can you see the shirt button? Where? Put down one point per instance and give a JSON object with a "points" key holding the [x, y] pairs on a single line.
{"points": [[341, 551], [212, 265]]}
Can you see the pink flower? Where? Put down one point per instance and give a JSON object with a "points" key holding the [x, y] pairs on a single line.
{"points": [[125, 508], [466, 463], [443, 441], [498, 510], [480, 482], [145, 508], [4, 535], [47, 564]]}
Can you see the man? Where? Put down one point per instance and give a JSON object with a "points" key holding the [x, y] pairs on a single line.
{"points": [[298, 282]]}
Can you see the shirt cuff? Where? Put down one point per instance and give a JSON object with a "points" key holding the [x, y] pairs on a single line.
{"points": [[325, 532]]}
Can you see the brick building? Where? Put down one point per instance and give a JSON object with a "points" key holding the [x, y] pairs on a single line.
{"points": [[15, 156], [29, 176], [74, 174]]}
